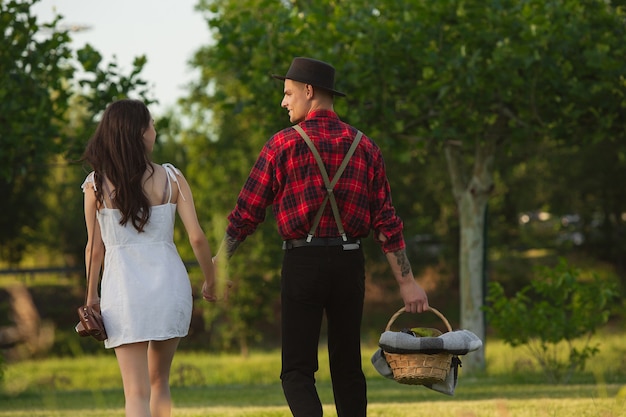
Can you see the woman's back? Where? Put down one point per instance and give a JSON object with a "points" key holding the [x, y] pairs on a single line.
{"points": [[146, 294], [157, 185]]}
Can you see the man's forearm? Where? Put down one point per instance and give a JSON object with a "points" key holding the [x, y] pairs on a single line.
{"points": [[400, 265], [229, 246]]}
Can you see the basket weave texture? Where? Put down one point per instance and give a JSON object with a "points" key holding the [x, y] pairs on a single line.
{"points": [[419, 368]]}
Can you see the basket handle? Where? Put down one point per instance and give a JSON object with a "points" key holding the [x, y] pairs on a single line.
{"points": [[434, 310]]}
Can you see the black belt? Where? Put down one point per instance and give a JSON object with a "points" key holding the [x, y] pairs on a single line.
{"points": [[349, 244]]}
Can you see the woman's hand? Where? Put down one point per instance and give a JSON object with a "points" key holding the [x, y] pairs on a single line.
{"points": [[208, 291], [94, 303]]}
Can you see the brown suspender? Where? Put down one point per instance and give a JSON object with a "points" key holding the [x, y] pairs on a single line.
{"points": [[327, 183]]}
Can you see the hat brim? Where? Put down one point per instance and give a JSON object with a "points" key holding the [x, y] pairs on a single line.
{"points": [[334, 92]]}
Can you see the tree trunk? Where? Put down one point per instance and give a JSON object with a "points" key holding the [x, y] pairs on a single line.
{"points": [[30, 336], [472, 195], [471, 263]]}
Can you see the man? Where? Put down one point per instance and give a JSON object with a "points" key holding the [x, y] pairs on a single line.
{"points": [[322, 217]]}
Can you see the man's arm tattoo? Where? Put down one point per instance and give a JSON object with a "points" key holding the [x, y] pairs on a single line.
{"points": [[231, 245], [403, 262]]}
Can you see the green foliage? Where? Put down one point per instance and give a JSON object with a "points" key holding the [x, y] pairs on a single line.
{"points": [[418, 74], [107, 84], [33, 99], [47, 114], [558, 306]]}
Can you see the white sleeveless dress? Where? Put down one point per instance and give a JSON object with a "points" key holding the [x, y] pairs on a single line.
{"points": [[145, 289]]}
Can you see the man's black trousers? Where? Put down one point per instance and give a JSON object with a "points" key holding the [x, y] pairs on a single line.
{"points": [[318, 280]]}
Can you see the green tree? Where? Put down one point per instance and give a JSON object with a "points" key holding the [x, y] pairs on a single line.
{"points": [[33, 99], [474, 81], [50, 96], [494, 78]]}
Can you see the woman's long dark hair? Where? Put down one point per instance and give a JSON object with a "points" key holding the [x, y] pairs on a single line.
{"points": [[116, 151]]}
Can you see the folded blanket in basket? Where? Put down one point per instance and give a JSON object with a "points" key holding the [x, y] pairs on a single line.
{"points": [[457, 342], [446, 387]]}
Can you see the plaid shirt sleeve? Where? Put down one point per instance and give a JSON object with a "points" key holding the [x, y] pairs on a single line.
{"points": [[385, 220], [256, 194]]}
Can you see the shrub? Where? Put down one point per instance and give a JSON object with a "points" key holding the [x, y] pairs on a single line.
{"points": [[555, 308]]}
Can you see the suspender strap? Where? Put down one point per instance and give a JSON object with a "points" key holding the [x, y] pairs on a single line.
{"points": [[330, 185]]}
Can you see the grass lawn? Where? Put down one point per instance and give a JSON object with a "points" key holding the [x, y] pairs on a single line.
{"points": [[386, 399], [225, 385]]}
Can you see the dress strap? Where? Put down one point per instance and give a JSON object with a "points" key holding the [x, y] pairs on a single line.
{"points": [[166, 188], [107, 190], [172, 173], [91, 180]]}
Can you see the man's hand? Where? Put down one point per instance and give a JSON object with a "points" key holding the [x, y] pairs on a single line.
{"points": [[414, 296]]}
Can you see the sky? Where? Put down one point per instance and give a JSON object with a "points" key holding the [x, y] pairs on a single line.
{"points": [[168, 33]]}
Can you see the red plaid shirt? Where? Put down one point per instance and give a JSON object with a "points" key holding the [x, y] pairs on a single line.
{"points": [[287, 177]]}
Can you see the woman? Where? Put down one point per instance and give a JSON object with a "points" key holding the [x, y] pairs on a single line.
{"points": [[146, 294]]}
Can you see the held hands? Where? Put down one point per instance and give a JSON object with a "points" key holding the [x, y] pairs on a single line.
{"points": [[209, 291]]}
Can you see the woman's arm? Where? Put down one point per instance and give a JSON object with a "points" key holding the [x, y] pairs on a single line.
{"points": [[94, 255], [199, 243]]}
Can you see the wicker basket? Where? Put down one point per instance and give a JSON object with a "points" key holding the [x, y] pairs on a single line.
{"points": [[419, 368]]}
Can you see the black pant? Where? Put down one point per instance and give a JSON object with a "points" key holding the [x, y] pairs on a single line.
{"points": [[317, 280]]}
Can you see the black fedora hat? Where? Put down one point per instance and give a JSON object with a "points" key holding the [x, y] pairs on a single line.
{"points": [[311, 71]]}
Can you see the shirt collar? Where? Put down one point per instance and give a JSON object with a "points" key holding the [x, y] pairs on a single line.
{"points": [[321, 113]]}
